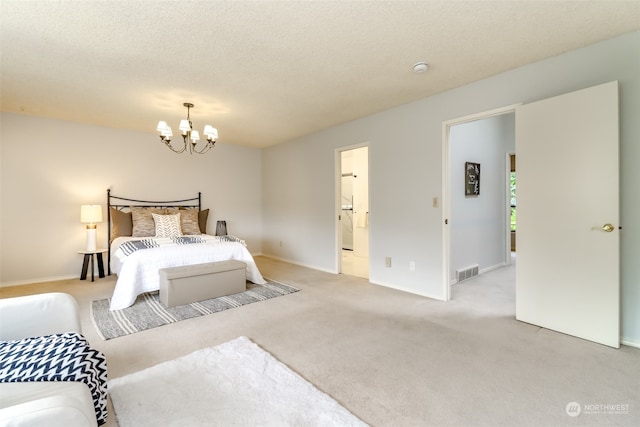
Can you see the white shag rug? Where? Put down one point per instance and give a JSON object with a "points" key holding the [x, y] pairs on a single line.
{"points": [[233, 384]]}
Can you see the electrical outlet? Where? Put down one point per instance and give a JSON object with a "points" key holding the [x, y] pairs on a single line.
{"points": [[412, 265], [280, 243], [435, 202], [387, 262]]}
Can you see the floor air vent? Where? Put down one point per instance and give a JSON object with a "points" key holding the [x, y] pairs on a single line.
{"points": [[467, 273]]}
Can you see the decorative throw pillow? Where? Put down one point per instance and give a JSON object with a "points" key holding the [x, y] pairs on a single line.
{"points": [[202, 220], [167, 225], [143, 224], [121, 223], [189, 221]]}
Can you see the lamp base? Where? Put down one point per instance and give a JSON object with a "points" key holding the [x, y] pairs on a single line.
{"points": [[91, 238]]}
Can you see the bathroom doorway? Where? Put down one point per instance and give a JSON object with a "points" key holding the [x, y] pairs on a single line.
{"points": [[354, 212]]}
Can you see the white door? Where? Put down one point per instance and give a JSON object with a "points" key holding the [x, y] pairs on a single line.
{"points": [[567, 270]]}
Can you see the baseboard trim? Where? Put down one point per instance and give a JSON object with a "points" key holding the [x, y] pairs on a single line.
{"points": [[299, 263], [40, 280], [492, 267], [630, 342], [454, 281]]}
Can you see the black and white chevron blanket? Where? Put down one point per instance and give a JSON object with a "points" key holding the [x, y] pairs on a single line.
{"points": [[131, 246], [58, 357]]}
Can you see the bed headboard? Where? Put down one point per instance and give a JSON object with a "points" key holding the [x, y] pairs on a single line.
{"points": [[124, 203]]}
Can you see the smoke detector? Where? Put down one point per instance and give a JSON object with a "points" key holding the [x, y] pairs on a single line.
{"points": [[420, 67]]}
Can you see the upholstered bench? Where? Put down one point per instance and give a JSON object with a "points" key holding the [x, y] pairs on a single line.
{"points": [[190, 283]]}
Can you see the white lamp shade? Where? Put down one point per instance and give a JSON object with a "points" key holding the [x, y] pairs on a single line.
{"points": [[210, 131], [167, 132], [195, 136], [90, 214], [184, 125], [162, 126]]}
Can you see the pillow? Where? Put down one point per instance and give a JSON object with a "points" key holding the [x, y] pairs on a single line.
{"points": [[202, 220], [189, 221], [121, 223], [143, 224], [167, 225]]}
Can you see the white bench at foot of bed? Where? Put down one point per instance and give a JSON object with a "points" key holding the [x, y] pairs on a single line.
{"points": [[190, 283]]}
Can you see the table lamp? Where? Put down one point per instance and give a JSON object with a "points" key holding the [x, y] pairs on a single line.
{"points": [[90, 215]]}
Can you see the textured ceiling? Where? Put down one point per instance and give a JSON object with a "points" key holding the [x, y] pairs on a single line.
{"points": [[265, 72]]}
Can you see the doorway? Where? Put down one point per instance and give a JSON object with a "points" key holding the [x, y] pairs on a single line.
{"points": [[353, 217], [568, 263], [477, 238]]}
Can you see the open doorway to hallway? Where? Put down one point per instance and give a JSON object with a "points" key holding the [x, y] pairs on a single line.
{"points": [[479, 237], [354, 212]]}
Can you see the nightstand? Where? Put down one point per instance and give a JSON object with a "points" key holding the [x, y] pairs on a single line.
{"points": [[88, 257]]}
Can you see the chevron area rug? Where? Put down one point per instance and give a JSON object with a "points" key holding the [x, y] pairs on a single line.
{"points": [[233, 384], [148, 312]]}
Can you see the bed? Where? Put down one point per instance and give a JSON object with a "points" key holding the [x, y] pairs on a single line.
{"points": [[145, 236]]}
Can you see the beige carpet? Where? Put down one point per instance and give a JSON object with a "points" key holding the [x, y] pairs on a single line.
{"points": [[396, 359], [148, 311]]}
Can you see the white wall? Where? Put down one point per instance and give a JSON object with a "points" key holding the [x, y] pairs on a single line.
{"points": [[405, 167], [478, 224], [51, 167]]}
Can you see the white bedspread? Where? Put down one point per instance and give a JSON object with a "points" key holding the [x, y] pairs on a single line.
{"points": [[138, 272]]}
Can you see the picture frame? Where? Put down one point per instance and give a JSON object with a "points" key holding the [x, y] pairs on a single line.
{"points": [[471, 179]]}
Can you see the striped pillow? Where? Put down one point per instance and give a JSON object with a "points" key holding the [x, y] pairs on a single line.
{"points": [[167, 225]]}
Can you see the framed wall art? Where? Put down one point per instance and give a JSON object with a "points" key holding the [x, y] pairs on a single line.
{"points": [[471, 179]]}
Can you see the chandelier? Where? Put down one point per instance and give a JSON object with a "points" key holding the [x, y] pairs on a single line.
{"points": [[190, 137]]}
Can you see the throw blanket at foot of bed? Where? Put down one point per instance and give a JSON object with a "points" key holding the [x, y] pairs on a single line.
{"points": [[58, 357]]}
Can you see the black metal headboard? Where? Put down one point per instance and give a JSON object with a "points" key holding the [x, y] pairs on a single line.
{"points": [[118, 203]]}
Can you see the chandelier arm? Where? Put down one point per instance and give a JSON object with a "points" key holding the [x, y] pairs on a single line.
{"points": [[170, 147], [209, 145]]}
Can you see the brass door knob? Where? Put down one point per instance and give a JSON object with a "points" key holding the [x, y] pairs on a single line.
{"points": [[608, 228]]}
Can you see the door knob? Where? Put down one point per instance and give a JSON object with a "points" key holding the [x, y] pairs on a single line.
{"points": [[608, 228]]}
